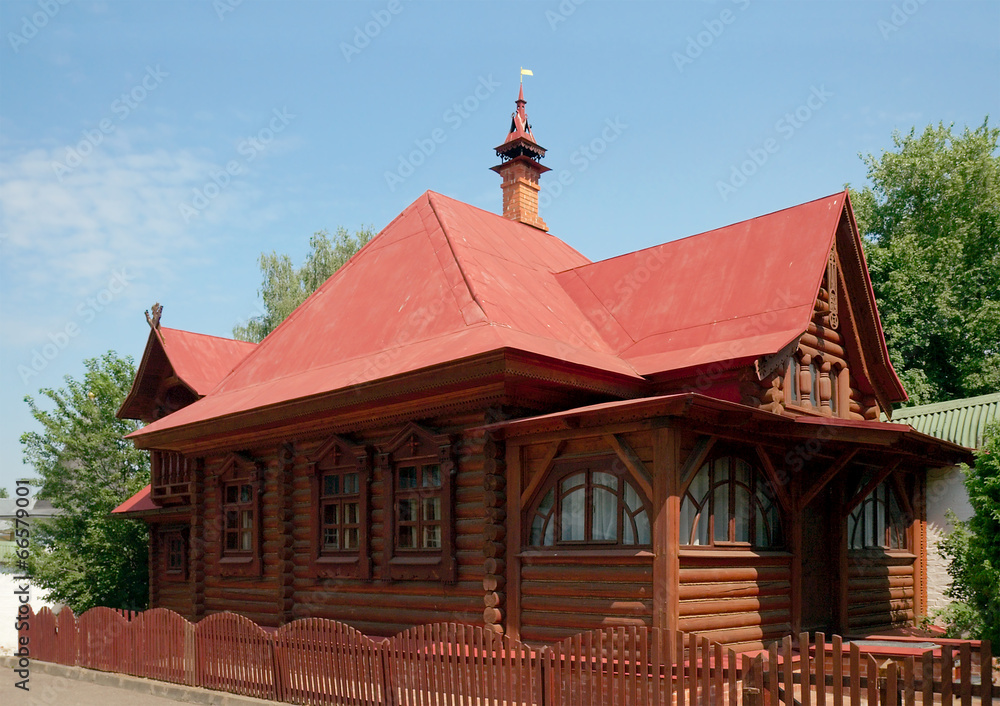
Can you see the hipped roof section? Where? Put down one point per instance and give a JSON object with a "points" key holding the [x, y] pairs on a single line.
{"points": [[446, 281]]}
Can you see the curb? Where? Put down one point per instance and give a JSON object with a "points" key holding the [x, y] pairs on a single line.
{"points": [[176, 692]]}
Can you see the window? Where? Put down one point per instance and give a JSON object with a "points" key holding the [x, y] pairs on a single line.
{"points": [[878, 522], [417, 468], [341, 474], [730, 503], [238, 497], [173, 545], [240, 518], [590, 503]]}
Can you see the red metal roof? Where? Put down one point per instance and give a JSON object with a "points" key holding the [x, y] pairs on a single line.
{"points": [[202, 361], [445, 281], [734, 293], [140, 502]]}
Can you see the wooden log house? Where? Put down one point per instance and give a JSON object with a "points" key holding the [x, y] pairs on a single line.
{"points": [[471, 421]]}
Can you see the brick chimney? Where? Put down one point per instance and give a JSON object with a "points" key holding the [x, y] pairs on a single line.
{"points": [[520, 169]]}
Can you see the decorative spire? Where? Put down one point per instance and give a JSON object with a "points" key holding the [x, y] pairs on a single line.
{"points": [[520, 168]]}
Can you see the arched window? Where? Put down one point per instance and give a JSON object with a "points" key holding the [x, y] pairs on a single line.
{"points": [[590, 502], [878, 522], [729, 503]]}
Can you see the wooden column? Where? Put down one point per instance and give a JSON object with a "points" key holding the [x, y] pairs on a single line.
{"points": [[839, 531], [514, 540], [795, 544], [196, 555], [666, 528], [286, 553]]}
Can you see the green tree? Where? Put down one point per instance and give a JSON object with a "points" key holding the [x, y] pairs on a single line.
{"points": [[931, 223], [84, 556], [284, 287], [3, 493], [973, 549]]}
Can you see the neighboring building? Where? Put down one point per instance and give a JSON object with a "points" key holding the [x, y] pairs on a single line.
{"points": [[961, 422], [471, 421], [36, 510]]}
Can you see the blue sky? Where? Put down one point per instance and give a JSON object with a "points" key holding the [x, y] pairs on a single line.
{"points": [[150, 151]]}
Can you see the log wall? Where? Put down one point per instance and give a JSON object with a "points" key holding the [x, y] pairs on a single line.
{"points": [[736, 598], [881, 589]]}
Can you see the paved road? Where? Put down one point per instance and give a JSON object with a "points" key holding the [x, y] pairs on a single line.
{"points": [[49, 690]]}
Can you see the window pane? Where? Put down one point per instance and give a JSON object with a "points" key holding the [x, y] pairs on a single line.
{"points": [[407, 477], [642, 528], [232, 493], [331, 538], [689, 513], [721, 469], [350, 484], [604, 517], [628, 534], [572, 482], [537, 530], [231, 519], [331, 485], [547, 502], [742, 514], [722, 513], [405, 537], [351, 538], [432, 509], [572, 517], [351, 515], [699, 486], [605, 479], [246, 517], [432, 537], [742, 471], [231, 540], [432, 476], [632, 501], [245, 494], [330, 514], [408, 509], [246, 541]]}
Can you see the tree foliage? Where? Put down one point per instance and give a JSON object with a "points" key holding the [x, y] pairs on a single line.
{"points": [[284, 287], [931, 221], [86, 468], [973, 549]]}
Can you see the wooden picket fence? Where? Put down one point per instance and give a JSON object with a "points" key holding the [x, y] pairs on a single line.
{"points": [[319, 661]]}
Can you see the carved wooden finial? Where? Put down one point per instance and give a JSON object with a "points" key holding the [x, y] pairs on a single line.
{"points": [[154, 320]]}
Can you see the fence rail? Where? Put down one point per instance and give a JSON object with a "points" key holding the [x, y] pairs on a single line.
{"points": [[319, 661]]}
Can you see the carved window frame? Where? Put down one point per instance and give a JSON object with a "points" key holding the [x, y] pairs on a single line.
{"points": [[339, 456], [415, 445], [565, 469], [239, 471], [173, 543], [758, 489]]}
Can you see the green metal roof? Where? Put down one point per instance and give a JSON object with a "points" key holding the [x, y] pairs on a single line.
{"points": [[959, 421]]}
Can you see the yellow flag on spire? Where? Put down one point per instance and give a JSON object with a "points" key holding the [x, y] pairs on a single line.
{"points": [[526, 72]]}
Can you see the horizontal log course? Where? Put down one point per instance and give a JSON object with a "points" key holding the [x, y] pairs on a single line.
{"points": [[736, 589], [494, 599], [494, 582], [579, 606], [495, 565], [748, 638], [495, 515], [809, 343], [492, 616], [588, 589], [741, 574], [605, 574], [578, 622], [874, 620], [879, 607], [734, 605], [494, 482], [495, 533], [704, 623], [879, 585]]}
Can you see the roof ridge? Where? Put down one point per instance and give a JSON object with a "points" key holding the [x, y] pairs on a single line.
{"points": [[946, 405], [206, 335], [454, 255]]}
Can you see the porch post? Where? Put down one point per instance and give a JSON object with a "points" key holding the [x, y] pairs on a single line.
{"points": [[666, 528], [795, 544]]}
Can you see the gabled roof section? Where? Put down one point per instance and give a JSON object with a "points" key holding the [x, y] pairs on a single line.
{"points": [[727, 296], [442, 282], [958, 421], [197, 361]]}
